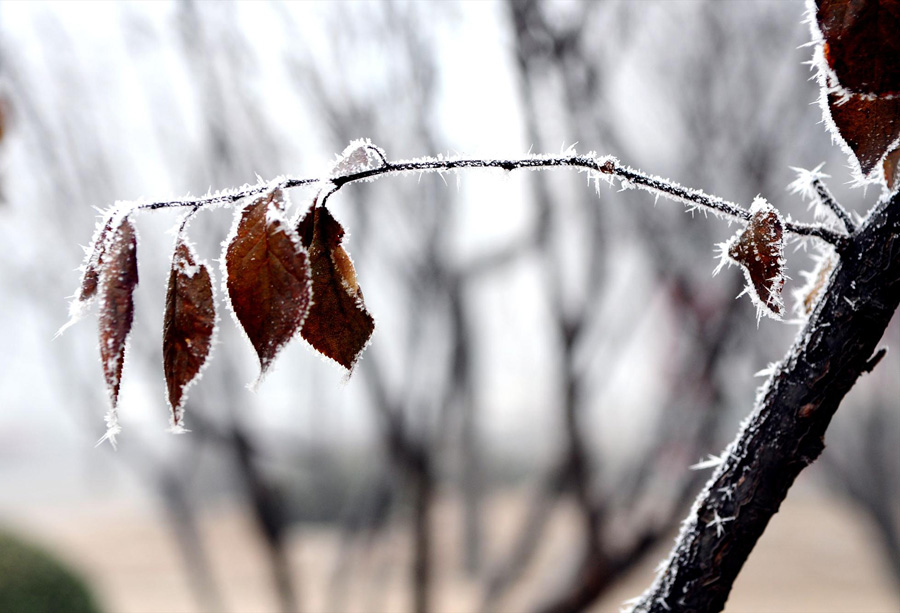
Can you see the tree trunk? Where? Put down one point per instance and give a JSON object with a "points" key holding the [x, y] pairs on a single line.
{"points": [[786, 430]]}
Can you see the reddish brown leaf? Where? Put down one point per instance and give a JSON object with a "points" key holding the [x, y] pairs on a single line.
{"points": [[118, 276], [862, 44], [188, 326], [89, 282], [869, 126], [891, 169], [861, 48], [268, 277], [338, 326], [91, 276], [759, 249]]}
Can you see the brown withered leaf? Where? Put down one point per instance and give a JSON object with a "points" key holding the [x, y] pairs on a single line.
{"points": [[891, 167], [338, 326], [91, 277], [268, 278], [870, 126], [188, 326], [759, 249], [118, 276], [862, 45], [808, 296]]}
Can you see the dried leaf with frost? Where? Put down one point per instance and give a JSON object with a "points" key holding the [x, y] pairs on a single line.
{"points": [[117, 278], [861, 44], [808, 296], [759, 250], [338, 326], [267, 277], [857, 51], [870, 127], [359, 156], [90, 275], [891, 169], [188, 326]]}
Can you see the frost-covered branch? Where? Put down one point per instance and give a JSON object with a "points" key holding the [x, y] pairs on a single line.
{"points": [[827, 199], [785, 432], [376, 165]]}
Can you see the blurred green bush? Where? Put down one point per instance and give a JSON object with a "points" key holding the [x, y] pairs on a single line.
{"points": [[33, 581]]}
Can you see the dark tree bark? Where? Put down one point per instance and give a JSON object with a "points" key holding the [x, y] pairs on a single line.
{"points": [[786, 430]]}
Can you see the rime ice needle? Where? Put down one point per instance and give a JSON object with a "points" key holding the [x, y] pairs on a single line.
{"points": [[711, 461], [719, 523]]}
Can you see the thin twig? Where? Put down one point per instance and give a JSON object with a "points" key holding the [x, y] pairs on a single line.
{"points": [[827, 198], [693, 198]]}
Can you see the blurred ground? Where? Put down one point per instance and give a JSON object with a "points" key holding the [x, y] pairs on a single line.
{"points": [[815, 557]]}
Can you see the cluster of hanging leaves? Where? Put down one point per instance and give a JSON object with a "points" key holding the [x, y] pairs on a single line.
{"points": [[280, 281], [859, 70]]}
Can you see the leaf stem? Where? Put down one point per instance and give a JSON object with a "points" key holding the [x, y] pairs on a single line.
{"points": [[187, 218]]}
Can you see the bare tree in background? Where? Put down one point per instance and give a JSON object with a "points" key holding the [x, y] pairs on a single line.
{"points": [[861, 461]]}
